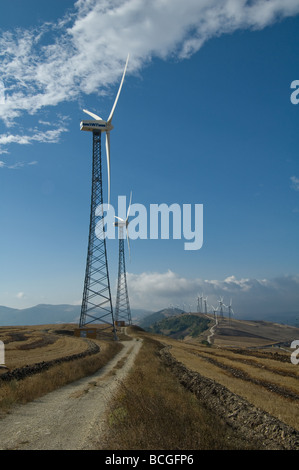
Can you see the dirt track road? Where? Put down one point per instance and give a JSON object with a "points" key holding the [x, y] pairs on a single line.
{"points": [[72, 417]]}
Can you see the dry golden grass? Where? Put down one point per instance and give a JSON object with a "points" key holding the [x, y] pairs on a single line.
{"points": [[244, 334], [30, 345], [153, 411], [30, 388], [285, 409]]}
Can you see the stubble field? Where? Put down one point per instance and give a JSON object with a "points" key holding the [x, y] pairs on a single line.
{"points": [[220, 396]]}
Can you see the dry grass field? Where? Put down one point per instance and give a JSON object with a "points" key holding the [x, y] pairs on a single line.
{"points": [[245, 358], [153, 408], [29, 345], [268, 381], [26, 347], [252, 334]]}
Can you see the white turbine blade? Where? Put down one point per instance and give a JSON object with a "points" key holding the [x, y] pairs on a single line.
{"points": [[129, 208], [92, 115], [118, 93], [128, 240], [108, 162], [122, 220]]}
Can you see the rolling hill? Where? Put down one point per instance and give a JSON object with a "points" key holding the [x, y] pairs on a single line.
{"points": [[181, 326], [152, 318], [201, 328]]}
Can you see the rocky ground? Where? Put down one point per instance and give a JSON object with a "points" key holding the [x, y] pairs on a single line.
{"points": [[254, 424]]}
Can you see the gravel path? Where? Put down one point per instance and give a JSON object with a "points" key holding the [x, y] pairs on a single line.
{"points": [[212, 331], [72, 417]]}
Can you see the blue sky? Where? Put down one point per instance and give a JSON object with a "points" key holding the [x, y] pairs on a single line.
{"points": [[204, 117]]}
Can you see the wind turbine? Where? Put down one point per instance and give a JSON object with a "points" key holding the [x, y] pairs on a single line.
{"points": [[104, 126], [122, 309], [221, 305], [200, 298], [230, 310], [214, 310], [123, 223], [97, 301], [206, 306], [198, 304]]}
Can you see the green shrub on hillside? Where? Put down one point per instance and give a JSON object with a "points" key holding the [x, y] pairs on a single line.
{"points": [[181, 325]]}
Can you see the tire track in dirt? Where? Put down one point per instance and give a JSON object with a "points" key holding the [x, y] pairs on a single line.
{"points": [[72, 417]]}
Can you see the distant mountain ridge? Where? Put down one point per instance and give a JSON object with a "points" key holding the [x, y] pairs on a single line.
{"points": [[47, 314], [44, 314], [41, 314]]}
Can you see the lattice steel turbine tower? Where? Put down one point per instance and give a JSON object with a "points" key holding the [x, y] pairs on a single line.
{"points": [[122, 308], [97, 302]]}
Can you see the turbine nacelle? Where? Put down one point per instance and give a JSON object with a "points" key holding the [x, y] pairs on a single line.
{"points": [[121, 223], [98, 125]]}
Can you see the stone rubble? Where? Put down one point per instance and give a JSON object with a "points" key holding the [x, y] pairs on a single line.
{"points": [[253, 423]]}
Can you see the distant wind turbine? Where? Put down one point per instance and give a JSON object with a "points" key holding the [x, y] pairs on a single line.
{"points": [[221, 305], [230, 310], [123, 223], [123, 310], [201, 297], [206, 305], [214, 310]]}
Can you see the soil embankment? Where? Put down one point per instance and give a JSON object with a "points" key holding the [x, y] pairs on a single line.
{"points": [[234, 410]]}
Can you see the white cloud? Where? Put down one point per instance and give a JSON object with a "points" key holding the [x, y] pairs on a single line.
{"points": [[49, 136], [17, 165], [155, 291], [2, 93], [89, 45], [295, 183], [20, 295]]}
